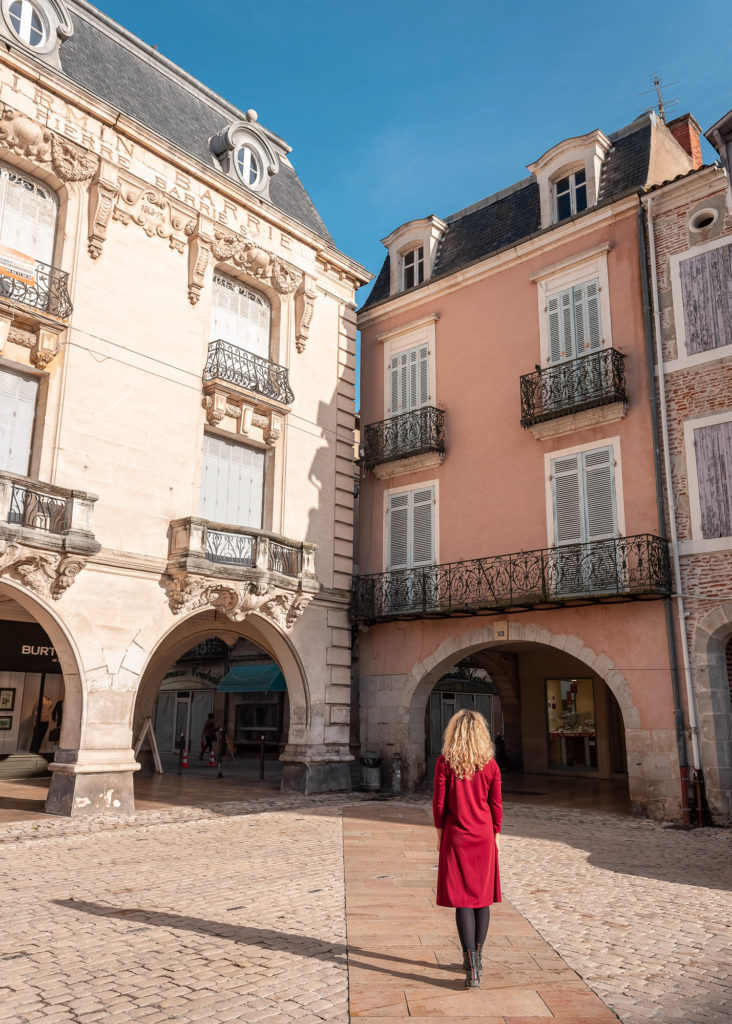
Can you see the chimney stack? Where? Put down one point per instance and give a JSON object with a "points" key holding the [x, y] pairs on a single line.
{"points": [[686, 131]]}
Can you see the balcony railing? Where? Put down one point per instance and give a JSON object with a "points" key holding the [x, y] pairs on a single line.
{"points": [[234, 365], [201, 546], [49, 291], [45, 515], [400, 437], [622, 568], [592, 380]]}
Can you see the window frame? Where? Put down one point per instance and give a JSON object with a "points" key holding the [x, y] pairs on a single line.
{"points": [[589, 446], [232, 284], [698, 543], [41, 14], [417, 266], [386, 540], [571, 178], [685, 358], [409, 336], [228, 439]]}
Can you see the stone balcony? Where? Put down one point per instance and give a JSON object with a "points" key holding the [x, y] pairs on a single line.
{"points": [[239, 569], [46, 533]]}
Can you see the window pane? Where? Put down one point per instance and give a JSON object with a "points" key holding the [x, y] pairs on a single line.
{"points": [[564, 206], [579, 177], [562, 186], [581, 197], [409, 277]]}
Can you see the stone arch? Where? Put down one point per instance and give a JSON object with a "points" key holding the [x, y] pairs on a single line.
{"points": [[191, 629], [69, 658], [714, 707], [424, 674]]}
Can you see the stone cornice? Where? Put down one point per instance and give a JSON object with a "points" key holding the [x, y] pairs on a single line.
{"points": [[543, 241], [687, 189]]}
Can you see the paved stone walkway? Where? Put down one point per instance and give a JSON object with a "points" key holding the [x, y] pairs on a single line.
{"points": [[236, 912]]}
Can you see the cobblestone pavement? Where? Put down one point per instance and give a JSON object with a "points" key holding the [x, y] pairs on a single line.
{"points": [[231, 913], [641, 911]]}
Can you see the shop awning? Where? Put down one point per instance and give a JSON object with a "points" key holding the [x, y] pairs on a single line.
{"points": [[253, 679]]}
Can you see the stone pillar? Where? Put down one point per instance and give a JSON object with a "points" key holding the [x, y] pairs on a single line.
{"points": [[89, 782]]}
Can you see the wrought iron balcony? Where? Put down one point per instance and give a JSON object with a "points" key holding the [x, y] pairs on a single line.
{"points": [[620, 569], [234, 365], [401, 437], [45, 515], [48, 292], [219, 549], [592, 380]]}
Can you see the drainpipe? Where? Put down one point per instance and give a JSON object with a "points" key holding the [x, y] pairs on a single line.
{"points": [[664, 448]]}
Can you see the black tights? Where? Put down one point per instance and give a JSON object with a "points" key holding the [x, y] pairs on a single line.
{"points": [[472, 925]]}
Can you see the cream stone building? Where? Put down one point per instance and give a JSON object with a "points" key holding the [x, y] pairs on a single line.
{"points": [[177, 370]]}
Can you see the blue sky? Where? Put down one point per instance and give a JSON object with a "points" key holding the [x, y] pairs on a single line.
{"points": [[399, 109]]}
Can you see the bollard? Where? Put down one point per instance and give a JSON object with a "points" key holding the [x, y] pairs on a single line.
{"points": [[396, 774], [261, 756]]}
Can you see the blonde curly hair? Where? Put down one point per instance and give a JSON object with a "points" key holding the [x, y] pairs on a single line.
{"points": [[467, 745]]}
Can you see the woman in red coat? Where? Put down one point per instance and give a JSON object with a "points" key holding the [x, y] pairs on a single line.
{"points": [[467, 812]]}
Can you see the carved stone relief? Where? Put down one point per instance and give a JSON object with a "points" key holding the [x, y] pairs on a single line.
{"points": [[48, 575], [256, 261], [29, 139], [220, 403], [235, 599], [199, 257], [151, 210], [304, 308], [102, 197], [44, 344]]}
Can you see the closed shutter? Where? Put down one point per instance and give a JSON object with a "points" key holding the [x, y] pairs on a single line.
{"points": [[706, 292], [422, 532], [240, 316], [584, 497], [409, 378], [573, 322], [399, 531], [17, 413], [411, 529], [714, 472], [567, 500], [232, 485], [27, 216]]}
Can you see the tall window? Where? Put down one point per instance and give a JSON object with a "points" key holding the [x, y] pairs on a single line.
{"points": [[411, 526], [570, 195], [232, 486], [713, 447], [413, 267], [409, 379], [584, 496], [706, 292], [28, 212], [573, 321], [18, 396], [240, 316]]}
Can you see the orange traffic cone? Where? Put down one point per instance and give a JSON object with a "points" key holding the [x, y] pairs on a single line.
{"points": [[184, 762], [212, 760]]}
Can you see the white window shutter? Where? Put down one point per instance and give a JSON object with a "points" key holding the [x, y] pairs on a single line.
{"points": [[394, 386], [423, 388], [422, 527], [17, 414], [566, 325], [566, 486], [28, 216], [398, 531], [599, 489], [553, 327], [232, 483], [240, 316], [593, 337]]}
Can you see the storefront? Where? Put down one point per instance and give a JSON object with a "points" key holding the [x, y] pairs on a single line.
{"points": [[571, 723], [31, 699], [186, 699], [257, 707]]}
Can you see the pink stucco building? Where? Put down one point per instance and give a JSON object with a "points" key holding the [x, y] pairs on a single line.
{"points": [[512, 550]]}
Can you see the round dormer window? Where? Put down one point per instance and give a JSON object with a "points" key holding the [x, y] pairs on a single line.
{"points": [[27, 23], [248, 164]]}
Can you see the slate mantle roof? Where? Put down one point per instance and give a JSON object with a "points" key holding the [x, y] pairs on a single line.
{"points": [[107, 61], [513, 214]]}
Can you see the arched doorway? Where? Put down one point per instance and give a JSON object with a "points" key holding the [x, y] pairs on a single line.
{"points": [[712, 668], [559, 714], [244, 674]]}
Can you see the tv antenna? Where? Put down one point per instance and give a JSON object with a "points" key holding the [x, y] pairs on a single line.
{"points": [[658, 86]]}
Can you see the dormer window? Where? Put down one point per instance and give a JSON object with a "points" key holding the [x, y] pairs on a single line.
{"points": [[570, 195], [413, 267], [27, 23], [248, 165]]}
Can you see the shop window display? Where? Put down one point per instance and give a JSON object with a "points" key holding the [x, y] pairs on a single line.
{"points": [[571, 723]]}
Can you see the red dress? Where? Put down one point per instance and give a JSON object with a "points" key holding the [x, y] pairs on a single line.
{"points": [[469, 811]]}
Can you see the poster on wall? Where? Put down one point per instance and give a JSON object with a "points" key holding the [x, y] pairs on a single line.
{"points": [[17, 264], [7, 699]]}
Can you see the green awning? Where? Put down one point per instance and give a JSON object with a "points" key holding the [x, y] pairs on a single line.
{"points": [[253, 679]]}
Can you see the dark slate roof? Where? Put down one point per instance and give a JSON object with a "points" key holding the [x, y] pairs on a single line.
{"points": [[149, 89], [513, 215]]}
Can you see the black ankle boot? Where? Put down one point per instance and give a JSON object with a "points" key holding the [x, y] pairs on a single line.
{"points": [[472, 978], [479, 959]]}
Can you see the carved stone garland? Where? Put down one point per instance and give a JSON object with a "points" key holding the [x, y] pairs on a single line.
{"points": [[48, 575], [151, 210], [256, 261], [236, 600], [31, 140]]}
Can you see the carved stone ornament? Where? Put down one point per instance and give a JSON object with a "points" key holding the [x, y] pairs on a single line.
{"points": [[256, 261], [304, 308], [199, 257], [235, 599], [219, 404], [102, 197], [48, 575], [44, 344], [35, 142], [151, 210]]}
